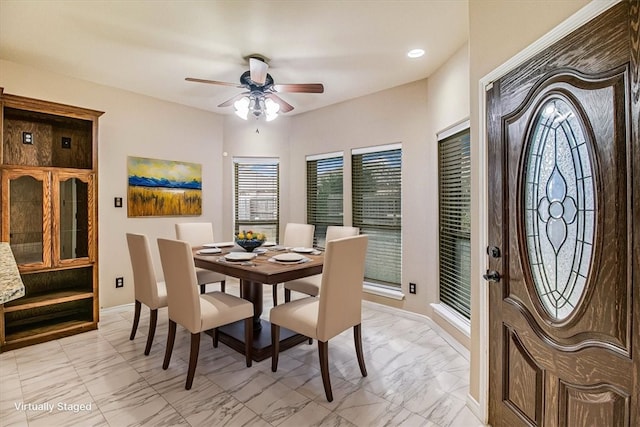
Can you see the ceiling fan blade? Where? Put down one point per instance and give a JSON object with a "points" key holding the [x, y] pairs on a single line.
{"points": [[299, 88], [285, 107], [213, 82], [258, 70], [230, 102]]}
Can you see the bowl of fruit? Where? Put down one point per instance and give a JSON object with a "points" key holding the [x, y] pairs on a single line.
{"points": [[248, 240]]}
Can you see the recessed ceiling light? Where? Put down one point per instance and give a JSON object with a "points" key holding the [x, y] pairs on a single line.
{"points": [[415, 53]]}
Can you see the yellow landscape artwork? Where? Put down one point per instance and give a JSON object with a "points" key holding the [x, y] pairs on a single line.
{"points": [[163, 188]]}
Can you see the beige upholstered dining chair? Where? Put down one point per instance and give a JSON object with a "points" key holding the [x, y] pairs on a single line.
{"points": [[311, 285], [147, 289], [197, 313], [295, 235], [338, 307], [198, 234]]}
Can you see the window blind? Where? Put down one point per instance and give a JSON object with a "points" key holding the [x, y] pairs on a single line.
{"points": [[454, 171], [324, 195], [256, 189], [377, 199]]}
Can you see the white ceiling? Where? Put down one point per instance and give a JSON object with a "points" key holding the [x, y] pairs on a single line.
{"points": [[353, 47]]}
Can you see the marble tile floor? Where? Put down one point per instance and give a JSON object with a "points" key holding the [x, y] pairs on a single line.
{"points": [[101, 378]]}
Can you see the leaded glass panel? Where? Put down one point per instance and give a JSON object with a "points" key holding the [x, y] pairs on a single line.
{"points": [[559, 211]]}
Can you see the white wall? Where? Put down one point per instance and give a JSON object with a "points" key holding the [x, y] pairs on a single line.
{"points": [[132, 125]]}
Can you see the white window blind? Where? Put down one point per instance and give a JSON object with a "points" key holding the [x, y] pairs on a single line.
{"points": [[454, 164], [256, 190], [324, 194], [377, 199]]}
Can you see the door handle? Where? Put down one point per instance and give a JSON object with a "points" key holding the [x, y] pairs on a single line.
{"points": [[492, 276]]}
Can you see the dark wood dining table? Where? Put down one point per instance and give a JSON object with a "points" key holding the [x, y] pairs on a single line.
{"points": [[254, 275]]}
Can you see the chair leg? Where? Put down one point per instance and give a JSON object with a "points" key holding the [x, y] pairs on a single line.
{"points": [[216, 337], [323, 352], [171, 338], [357, 338], [136, 319], [203, 288], [223, 286], [287, 295], [274, 292], [193, 359], [248, 340], [275, 346], [152, 330]]}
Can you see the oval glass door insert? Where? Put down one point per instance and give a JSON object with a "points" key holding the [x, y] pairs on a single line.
{"points": [[559, 206]]}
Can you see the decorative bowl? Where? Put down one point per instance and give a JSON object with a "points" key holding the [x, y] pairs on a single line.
{"points": [[249, 244], [248, 240]]}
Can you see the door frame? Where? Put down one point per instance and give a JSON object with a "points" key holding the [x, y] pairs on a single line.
{"points": [[581, 17]]}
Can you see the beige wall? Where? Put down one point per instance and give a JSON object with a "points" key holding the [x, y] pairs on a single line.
{"points": [[141, 126], [133, 125], [405, 114], [498, 30], [242, 140]]}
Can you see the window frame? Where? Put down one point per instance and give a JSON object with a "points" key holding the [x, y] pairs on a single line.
{"points": [[383, 224], [454, 219], [271, 226], [321, 218]]}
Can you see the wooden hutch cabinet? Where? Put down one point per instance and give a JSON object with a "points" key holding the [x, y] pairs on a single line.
{"points": [[48, 183]]}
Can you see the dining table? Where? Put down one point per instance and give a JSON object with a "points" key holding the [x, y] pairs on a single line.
{"points": [[254, 274]]}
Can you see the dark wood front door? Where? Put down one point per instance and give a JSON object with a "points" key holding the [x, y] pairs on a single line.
{"points": [[564, 209]]}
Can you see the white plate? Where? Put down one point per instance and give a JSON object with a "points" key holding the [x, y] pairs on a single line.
{"points": [[259, 251], [267, 244], [303, 250], [288, 257], [223, 244], [209, 251], [210, 245], [239, 256]]}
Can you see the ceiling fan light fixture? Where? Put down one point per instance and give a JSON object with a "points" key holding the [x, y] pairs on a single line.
{"points": [[257, 105], [271, 109], [242, 107]]}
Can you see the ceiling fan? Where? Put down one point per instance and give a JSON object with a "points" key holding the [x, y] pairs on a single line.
{"points": [[260, 97]]}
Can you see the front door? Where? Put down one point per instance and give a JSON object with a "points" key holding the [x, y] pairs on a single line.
{"points": [[564, 231]]}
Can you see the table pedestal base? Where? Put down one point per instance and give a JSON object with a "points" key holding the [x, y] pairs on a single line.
{"points": [[233, 336]]}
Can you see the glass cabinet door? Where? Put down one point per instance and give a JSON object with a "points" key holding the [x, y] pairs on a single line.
{"points": [[26, 217], [73, 212]]}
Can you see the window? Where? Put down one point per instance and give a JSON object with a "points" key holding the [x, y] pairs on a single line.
{"points": [[324, 193], [454, 171], [377, 197], [256, 190]]}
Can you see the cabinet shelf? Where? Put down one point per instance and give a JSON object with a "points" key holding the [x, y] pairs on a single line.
{"points": [[45, 299], [46, 331]]}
